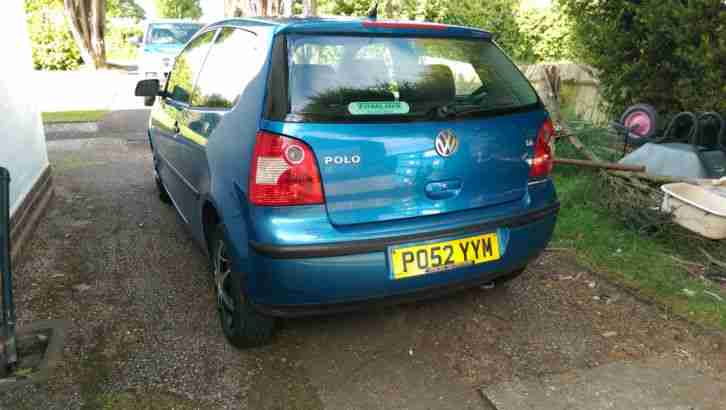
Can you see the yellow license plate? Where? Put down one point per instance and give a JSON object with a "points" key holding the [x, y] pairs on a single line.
{"points": [[436, 257]]}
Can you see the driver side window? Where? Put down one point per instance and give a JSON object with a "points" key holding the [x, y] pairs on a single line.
{"points": [[181, 80]]}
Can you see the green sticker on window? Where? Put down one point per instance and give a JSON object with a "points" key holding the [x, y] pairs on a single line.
{"points": [[378, 107]]}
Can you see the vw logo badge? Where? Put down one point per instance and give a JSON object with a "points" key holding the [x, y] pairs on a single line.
{"points": [[446, 143]]}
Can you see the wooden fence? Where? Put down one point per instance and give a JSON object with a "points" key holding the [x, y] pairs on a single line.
{"points": [[568, 88]]}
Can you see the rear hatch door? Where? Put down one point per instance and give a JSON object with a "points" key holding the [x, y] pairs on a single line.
{"points": [[405, 126]]}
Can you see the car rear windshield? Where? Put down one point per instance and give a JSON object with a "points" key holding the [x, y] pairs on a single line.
{"points": [[354, 78], [172, 33]]}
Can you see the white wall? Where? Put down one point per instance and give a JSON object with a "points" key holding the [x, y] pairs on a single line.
{"points": [[22, 141]]}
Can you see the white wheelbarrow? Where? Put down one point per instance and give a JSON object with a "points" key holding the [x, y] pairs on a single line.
{"points": [[699, 208]]}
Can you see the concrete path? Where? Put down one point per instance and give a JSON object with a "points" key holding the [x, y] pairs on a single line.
{"points": [[85, 90], [655, 384], [145, 334]]}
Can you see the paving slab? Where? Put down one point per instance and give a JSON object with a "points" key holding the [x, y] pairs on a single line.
{"points": [[655, 384]]}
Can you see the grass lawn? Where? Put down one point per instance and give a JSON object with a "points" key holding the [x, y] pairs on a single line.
{"points": [[656, 265], [74, 116], [122, 54]]}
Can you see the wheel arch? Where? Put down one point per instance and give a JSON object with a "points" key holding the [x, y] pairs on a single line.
{"points": [[210, 219]]}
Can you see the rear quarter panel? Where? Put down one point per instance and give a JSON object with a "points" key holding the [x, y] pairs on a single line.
{"points": [[229, 150]]}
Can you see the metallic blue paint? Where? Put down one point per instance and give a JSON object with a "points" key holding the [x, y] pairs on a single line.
{"points": [[398, 162], [359, 277], [407, 188]]}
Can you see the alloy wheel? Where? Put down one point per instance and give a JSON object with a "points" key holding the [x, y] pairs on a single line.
{"points": [[223, 286]]}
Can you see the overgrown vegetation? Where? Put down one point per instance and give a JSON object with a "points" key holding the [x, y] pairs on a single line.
{"points": [[616, 230], [124, 9], [178, 9], [528, 35], [53, 47], [670, 53]]}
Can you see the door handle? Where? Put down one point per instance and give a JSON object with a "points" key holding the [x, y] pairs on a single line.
{"points": [[443, 189], [176, 128]]}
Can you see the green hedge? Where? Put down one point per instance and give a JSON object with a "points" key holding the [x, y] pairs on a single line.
{"points": [[669, 53], [546, 35]]}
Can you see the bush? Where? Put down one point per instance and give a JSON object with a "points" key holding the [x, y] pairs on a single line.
{"points": [[546, 35], [670, 53], [53, 47], [496, 16]]}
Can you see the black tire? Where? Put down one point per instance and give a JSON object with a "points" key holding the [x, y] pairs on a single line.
{"points": [[242, 325], [714, 122], [509, 276], [639, 138]]}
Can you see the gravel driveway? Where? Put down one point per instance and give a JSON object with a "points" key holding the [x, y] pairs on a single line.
{"points": [[117, 263]]}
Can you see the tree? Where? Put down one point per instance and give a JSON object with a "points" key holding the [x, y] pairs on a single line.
{"points": [[88, 20], [669, 53], [310, 7], [179, 9], [496, 16], [430, 10], [124, 8], [239, 8], [546, 35]]}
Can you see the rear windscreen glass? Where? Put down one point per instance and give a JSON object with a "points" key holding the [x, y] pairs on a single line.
{"points": [[352, 77], [171, 33]]}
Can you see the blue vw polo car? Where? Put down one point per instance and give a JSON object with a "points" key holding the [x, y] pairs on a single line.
{"points": [[328, 164]]}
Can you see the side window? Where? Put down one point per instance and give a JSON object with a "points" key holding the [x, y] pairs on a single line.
{"points": [[186, 67], [321, 54], [231, 64]]}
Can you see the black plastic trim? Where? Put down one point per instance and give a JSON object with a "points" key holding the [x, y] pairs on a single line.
{"points": [[379, 245], [179, 175], [290, 311]]}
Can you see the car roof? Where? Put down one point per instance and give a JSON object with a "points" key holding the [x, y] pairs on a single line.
{"points": [[348, 25], [167, 21]]}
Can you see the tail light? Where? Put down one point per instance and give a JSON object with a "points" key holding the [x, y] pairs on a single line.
{"points": [[543, 162], [283, 172]]}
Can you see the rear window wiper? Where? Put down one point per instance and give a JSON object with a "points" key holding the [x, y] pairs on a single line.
{"points": [[456, 110], [453, 110]]}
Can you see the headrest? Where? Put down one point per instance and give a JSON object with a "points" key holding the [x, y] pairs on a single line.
{"points": [[308, 80], [364, 73], [434, 83]]}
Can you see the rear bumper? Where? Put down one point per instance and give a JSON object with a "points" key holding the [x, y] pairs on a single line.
{"points": [[431, 292], [380, 245], [306, 280]]}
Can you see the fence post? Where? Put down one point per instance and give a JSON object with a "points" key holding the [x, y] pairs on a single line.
{"points": [[8, 348]]}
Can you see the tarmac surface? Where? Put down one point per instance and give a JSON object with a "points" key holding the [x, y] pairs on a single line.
{"points": [[144, 332]]}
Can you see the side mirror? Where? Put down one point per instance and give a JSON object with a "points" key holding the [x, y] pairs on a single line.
{"points": [[147, 88]]}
